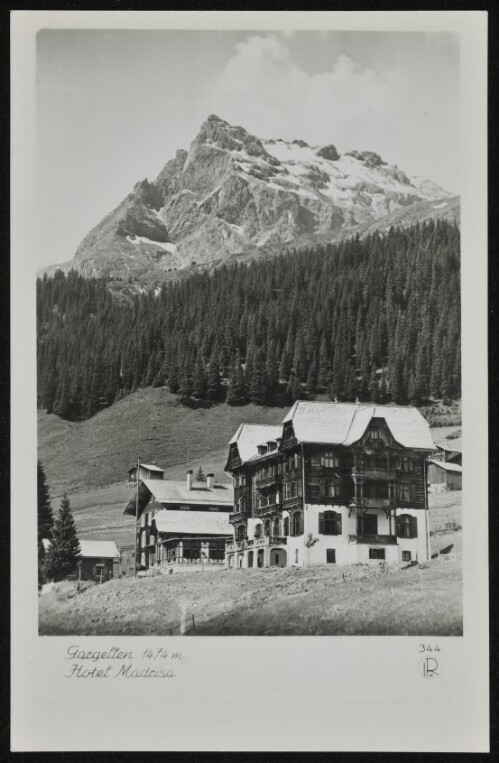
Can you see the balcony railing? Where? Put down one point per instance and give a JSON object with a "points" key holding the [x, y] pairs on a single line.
{"points": [[270, 540], [373, 473], [265, 540], [378, 540], [374, 503], [294, 502], [260, 511], [269, 479], [235, 516]]}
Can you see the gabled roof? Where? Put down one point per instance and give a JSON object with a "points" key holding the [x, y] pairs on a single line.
{"points": [[451, 446], [102, 549], [200, 522], [345, 423], [150, 467], [249, 436], [447, 466], [176, 491]]}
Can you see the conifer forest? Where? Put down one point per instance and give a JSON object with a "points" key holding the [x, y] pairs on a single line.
{"points": [[369, 319]]}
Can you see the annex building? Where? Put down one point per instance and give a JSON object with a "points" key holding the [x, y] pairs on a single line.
{"points": [[181, 524], [336, 483]]}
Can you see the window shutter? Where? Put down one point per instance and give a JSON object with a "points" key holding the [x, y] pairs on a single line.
{"points": [[300, 490], [338, 524], [321, 523], [414, 523], [397, 527]]}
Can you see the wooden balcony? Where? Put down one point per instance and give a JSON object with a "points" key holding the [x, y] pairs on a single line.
{"points": [[270, 509], [270, 540], [374, 503], [376, 540], [373, 473], [270, 479], [265, 540], [296, 502], [239, 515]]}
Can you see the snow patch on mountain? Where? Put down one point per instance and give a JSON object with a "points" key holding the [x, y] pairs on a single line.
{"points": [[233, 195], [167, 246]]}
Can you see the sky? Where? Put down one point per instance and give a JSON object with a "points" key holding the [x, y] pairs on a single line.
{"points": [[114, 106]]}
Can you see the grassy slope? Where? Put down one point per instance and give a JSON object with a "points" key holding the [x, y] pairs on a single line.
{"points": [[150, 424], [424, 601], [358, 600]]}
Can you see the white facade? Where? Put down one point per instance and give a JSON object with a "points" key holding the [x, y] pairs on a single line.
{"points": [[303, 550]]}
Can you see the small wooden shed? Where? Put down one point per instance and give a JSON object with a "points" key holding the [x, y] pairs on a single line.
{"points": [[445, 473], [146, 472]]}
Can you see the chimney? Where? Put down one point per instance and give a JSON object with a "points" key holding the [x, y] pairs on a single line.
{"points": [[189, 479], [210, 479]]}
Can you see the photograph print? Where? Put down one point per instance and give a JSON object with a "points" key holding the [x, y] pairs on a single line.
{"points": [[248, 333]]}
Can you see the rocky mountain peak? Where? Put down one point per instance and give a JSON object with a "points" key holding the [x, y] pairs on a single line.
{"points": [[234, 195]]}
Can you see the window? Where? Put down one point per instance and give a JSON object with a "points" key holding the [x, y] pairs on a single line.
{"points": [[407, 526], [315, 460], [329, 460], [406, 464], [258, 531], [375, 434], [296, 556], [404, 492], [376, 553], [241, 532], [330, 523], [240, 479], [286, 526], [275, 528], [296, 524], [406, 556], [267, 527], [331, 555], [290, 490], [376, 490], [329, 489], [314, 490], [367, 524]]}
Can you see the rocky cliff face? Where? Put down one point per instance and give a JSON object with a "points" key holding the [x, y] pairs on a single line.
{"points": [[234, 195]]}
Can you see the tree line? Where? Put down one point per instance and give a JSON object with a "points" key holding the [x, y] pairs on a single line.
{"points": [[370, 319]]}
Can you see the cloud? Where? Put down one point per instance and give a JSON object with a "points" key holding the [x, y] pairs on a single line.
{"points": [[262, 88]]}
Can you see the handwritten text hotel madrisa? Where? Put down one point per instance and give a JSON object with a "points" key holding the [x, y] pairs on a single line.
{"points": [[119, 663]]}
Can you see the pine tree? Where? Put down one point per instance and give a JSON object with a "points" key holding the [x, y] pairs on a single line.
{"points": [[199, 387], [45, 520], [373, 388], [185, 386], [257, 383], [64, 553], [214, 386], [236, 390], [200, 476]]}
